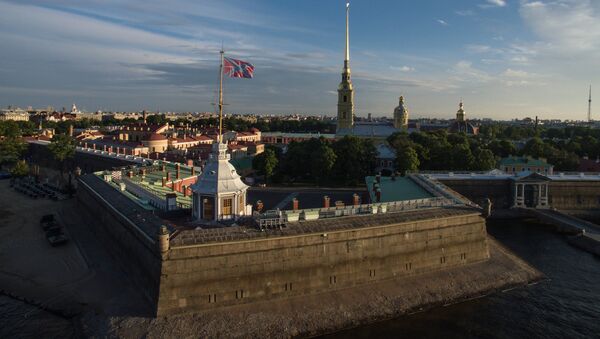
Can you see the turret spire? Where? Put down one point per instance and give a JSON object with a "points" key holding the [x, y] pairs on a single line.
{"points": [[345, 114]]}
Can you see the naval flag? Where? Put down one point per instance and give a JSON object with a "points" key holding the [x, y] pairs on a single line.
{"points": [[238, 68]]}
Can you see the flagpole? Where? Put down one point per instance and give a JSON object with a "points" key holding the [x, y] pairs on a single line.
{"points": [[221, 98]]}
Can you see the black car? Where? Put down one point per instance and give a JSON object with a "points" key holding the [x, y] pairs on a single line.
{"points": [[56, 237]]}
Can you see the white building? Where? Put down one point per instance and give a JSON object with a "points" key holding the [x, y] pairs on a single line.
{"points": [[219, 193]]}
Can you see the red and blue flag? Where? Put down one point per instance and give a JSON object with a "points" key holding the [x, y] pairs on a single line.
{"points": [[238, 68]]}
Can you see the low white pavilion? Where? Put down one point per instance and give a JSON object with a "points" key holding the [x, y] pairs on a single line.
{"points": [[220, 193]]}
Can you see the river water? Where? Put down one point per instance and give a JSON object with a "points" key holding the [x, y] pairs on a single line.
{"points": [[567, 305]]}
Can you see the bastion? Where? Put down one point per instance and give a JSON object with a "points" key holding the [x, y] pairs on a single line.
{"points": [[345, 255]]}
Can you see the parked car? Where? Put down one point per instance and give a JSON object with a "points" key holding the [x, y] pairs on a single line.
{"points": [[5, 175], [56, 237]]}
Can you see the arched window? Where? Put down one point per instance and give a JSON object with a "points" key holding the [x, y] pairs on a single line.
{"points": [[345, 98]]}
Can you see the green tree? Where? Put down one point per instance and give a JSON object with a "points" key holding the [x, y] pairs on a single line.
{"points": [[11, 150], [20, 169], [322, 161], [265, 163], [484, 159], [534, 147], [62, 148], [407, 160], [355, 160]]}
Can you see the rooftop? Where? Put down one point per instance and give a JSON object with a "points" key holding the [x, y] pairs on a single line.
{"points": [[398, 189]]}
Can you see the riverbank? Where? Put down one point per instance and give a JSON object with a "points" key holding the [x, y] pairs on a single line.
{"points": [[329, 312]]}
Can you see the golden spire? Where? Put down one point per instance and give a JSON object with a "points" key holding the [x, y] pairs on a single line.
{"points": [[347, 58]]}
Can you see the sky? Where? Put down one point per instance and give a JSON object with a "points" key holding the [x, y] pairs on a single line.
{"points": [[504, 58]]}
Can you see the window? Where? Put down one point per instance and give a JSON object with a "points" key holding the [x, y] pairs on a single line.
{"points": [[371, 273], [442, 260], [332, 280], [345, 98], [239, 294], [212, 298], [408, 266], [227, 206]]}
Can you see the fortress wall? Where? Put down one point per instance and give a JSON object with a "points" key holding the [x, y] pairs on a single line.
{"points": [[574, 195], [136, 254], [87, 162], [563, 195], [498, 191], [214, 275]]}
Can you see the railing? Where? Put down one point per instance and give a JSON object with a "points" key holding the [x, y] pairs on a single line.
{"points": [[141, 192], [279, 219], [437, 188]]}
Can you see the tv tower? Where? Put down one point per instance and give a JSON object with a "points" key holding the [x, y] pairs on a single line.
{"points": [[590, 106]]}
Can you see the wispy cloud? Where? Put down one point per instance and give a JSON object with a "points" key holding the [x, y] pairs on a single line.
{"points": [[442, 22], [493, 3], [402, 68]]}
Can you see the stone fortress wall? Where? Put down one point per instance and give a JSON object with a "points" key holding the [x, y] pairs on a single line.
{"points": [[563, 195], [219, 274], [136, 252]]}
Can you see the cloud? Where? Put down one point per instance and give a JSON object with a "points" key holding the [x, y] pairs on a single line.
{"points": [[465, 12], [464, 71], [493, 3], [569, 27], [402, 68], [442, 22]]}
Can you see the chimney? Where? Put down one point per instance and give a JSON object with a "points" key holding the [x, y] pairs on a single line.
{"points": [[355, 199], [85, 145], [190, 162], [130, 174], [104, 148], [295, 204], [326, 202], [259, 205], [163, 167], [378, 195], [184, 190], [178, 169], [143, 172], [173, 188], [94, 146], [168, 176]]}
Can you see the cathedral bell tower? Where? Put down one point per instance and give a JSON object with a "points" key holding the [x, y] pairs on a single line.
{"points": [[460, 114], [345, 113]]}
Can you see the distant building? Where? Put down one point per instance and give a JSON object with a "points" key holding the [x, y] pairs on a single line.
{"points": [[521, 165], [589, 165], [286, 138], [385, 159], [401, 115], [14, 115], [461, 125]]}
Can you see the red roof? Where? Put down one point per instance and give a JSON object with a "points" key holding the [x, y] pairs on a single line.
{"points": [[156, 137]]}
